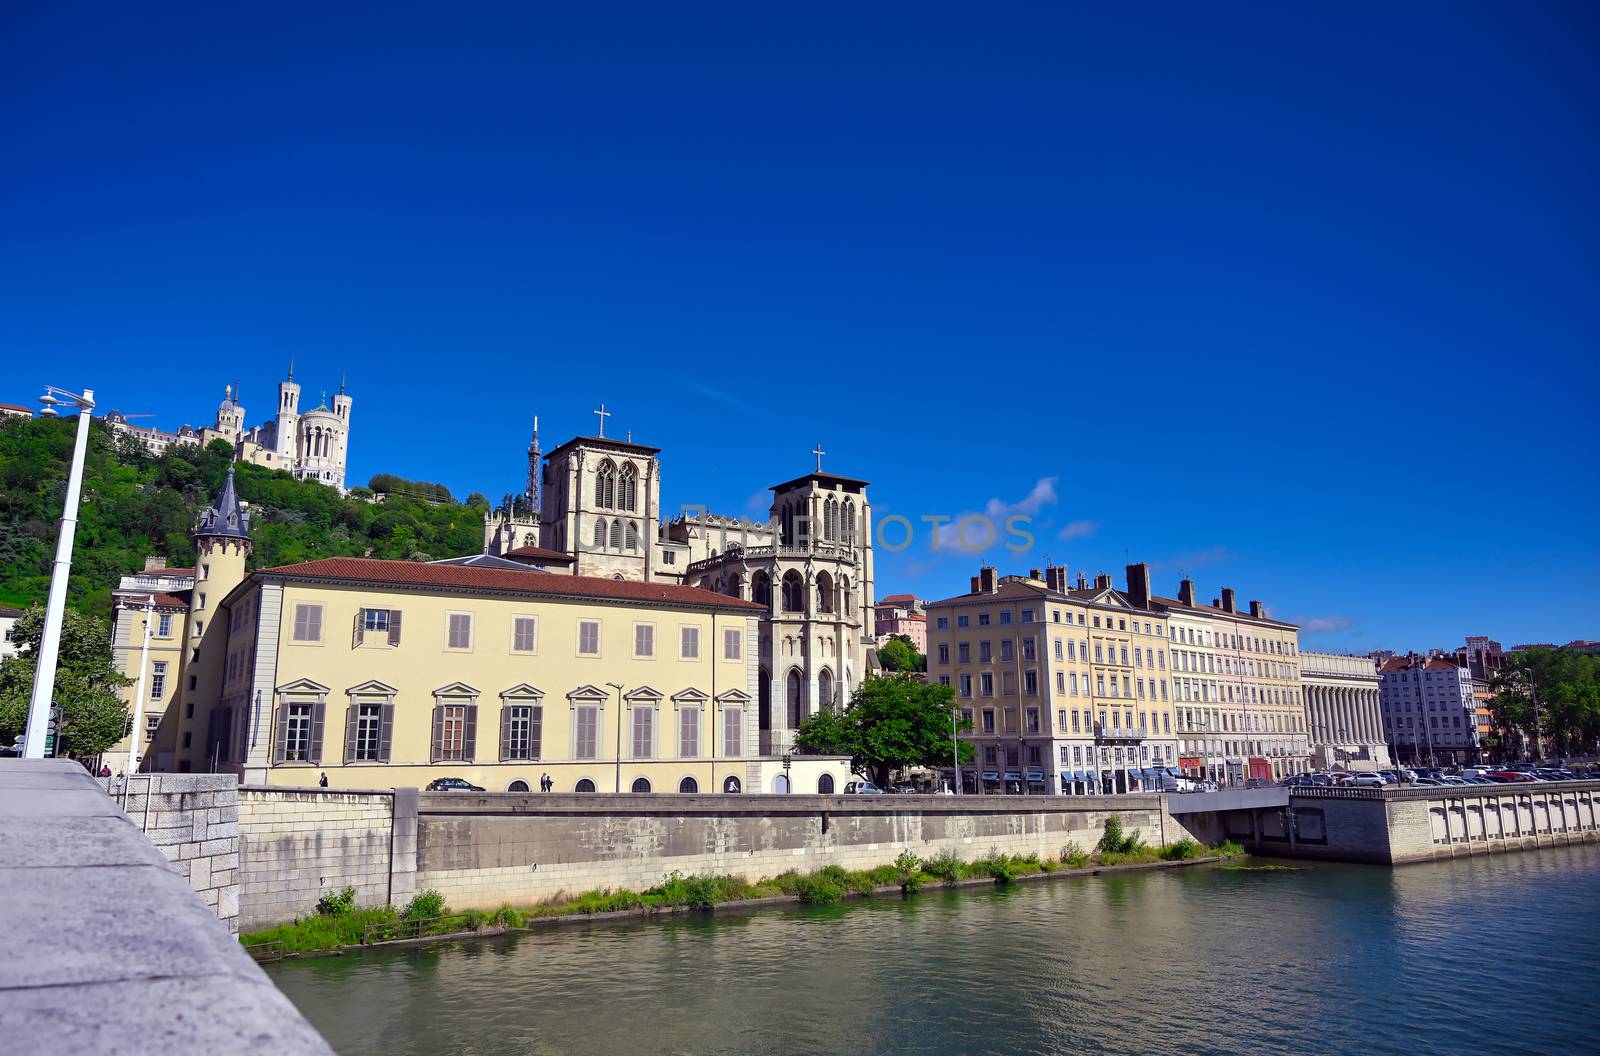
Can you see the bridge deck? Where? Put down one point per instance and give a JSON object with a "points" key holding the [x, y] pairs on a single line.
{"points": [[1227, 799]]}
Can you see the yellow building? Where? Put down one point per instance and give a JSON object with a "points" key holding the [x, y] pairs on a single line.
{"points": [[1066, 686], [384, 674], [157, 596]]}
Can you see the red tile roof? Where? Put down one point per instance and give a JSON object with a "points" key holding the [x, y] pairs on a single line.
{"points": [[895, 599], [503, 580], [15, 407]]}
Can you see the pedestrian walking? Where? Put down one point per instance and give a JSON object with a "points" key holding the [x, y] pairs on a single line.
{"points": [[105, 771]]}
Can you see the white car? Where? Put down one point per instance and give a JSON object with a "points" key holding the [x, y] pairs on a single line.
{"points": [[1365, 781]]}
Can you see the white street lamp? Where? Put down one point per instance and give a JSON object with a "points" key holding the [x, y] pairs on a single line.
{"points": [[44, 676], [138, 694]]}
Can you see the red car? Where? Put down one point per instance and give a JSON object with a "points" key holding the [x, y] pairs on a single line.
{"points": [[1510, 776]]}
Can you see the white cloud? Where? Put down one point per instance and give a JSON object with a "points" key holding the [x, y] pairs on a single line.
{"points": [[1078, 530], [966, 535]]}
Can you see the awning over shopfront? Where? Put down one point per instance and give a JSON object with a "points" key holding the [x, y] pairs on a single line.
{"points": [[1066, 777], [991, 775], [1035, 776], [1013, 775]]}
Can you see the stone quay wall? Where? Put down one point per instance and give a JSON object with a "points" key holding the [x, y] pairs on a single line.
{"points": [[193, 820], [480, 850], [297, 845], [1398, 825]]}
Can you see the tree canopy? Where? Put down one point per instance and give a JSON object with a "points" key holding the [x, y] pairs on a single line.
{"points": [[1555, 692], [898, 654], [87, 687], [892, 722], [135, 504]]}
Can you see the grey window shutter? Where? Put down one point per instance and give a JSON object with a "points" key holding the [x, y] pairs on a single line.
{"points": [[352, 719], [394, 626], [358, 635], [437, 751], [505, 732], [386, 732], [469, 735], [280, 746], [318, 714], [535, 731]]}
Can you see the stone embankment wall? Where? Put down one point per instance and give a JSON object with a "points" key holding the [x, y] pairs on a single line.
{"points": [[1398, 825], [193, 820], [297, 845], [482, 850]]}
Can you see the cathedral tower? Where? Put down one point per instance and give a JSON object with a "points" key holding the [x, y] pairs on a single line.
{"points": [[288, 419]]}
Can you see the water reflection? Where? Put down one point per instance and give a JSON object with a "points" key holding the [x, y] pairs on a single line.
{"points": [[1447, 958]]}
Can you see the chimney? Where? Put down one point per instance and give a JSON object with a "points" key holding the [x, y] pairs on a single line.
{"points": [[1034, 573], [986, 579], [153, 563], [977, 584], [1102, 581], [1186, 592], [1227, 600], [1139, 584], [1083, 584], [1255, 609], [1056, 578]]}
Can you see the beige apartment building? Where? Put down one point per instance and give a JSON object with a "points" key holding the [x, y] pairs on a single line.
{"points": [[157, 597], [382, 674], [1065, 686], [1236, 676]]}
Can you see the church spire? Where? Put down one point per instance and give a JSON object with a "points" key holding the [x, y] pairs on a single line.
{"points": [[534, 458], [226, 519], [291, 366], [342, 374]]}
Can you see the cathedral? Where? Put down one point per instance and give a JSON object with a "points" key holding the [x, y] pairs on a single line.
{"points": [[592, 507], [311, 445]]}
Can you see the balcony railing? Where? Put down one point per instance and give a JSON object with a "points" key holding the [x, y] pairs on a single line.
{"points": [[1119, 734], [842, 552]]}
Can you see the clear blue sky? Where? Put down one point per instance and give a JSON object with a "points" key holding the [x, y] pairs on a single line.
{"points": [[1303, 302]]}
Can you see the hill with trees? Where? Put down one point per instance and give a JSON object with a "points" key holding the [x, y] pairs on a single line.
{"points": [[135, 504]]}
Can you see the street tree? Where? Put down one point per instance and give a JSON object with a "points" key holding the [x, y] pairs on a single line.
{"points": [[88, 687], [892, 722]]}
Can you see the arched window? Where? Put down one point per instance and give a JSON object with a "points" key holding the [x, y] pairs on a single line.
{"points": [[825, 689], [735, 586], [830, 519], [688, 785], [825, 785], [761, 589], [850, 521], [824, 592], [616, 534], [583, 785], [797, 704], [844, 589], [600, 532], [517, 786], [780, 784], [731, 786], [640, 784], [628, 489], [605, 486], [633, 536], [794, 592]]}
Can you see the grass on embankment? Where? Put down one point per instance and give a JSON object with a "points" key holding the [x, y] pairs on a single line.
{"points": [[338, 923]]}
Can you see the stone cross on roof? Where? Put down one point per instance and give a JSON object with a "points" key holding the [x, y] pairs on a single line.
{"points": [[602, 414], [819, 452]]}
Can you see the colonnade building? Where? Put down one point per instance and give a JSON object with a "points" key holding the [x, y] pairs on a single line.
{"points": [[1342, 712]]}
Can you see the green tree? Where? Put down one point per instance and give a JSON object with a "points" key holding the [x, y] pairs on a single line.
{"points": [[898, 654], [1548, 699], [892, 722], [87, 688]]}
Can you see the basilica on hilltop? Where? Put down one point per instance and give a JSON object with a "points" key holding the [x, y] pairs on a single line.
{"points": [[592, 507]]}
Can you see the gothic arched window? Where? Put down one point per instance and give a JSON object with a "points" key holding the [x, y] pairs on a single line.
{"points": [[825, 689], [794, 592], [605, 486], [824, 592], [633, 536], [616, 534], [600, 532], [628, 490], [849, 513], [761, 589], [844, 589]]}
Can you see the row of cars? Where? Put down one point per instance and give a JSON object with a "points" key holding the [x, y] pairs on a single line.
{"points": [[1438, 777]]}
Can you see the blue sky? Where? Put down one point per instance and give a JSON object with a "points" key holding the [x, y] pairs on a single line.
{"points": [[1301, 302]]}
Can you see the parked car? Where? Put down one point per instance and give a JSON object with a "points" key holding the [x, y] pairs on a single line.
{"points": [[1512, 777], [1258, 782], [452, 784], [862, 788], [1366, 781]]}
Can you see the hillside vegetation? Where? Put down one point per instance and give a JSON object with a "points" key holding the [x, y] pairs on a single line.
{"points": [[135, 504]]}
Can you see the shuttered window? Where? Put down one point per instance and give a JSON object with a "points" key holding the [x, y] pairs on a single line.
{"points": [[585, 725], [589, 637], [308, 623], [524, 634], [732, 644], [521, 731], [644, 640], [644, 720], [454, 732], [690, 643], [732, 742], [299, 734], [460, 631], [688, 733], [368, 732]]}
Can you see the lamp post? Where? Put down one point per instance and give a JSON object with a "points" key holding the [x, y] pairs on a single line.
{"points": [[955, 752], [44, 676], [618, 688], [788, 761], [138, 694]]}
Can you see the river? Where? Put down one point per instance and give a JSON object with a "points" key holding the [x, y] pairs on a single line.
{"points": [[1484, 955]]}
